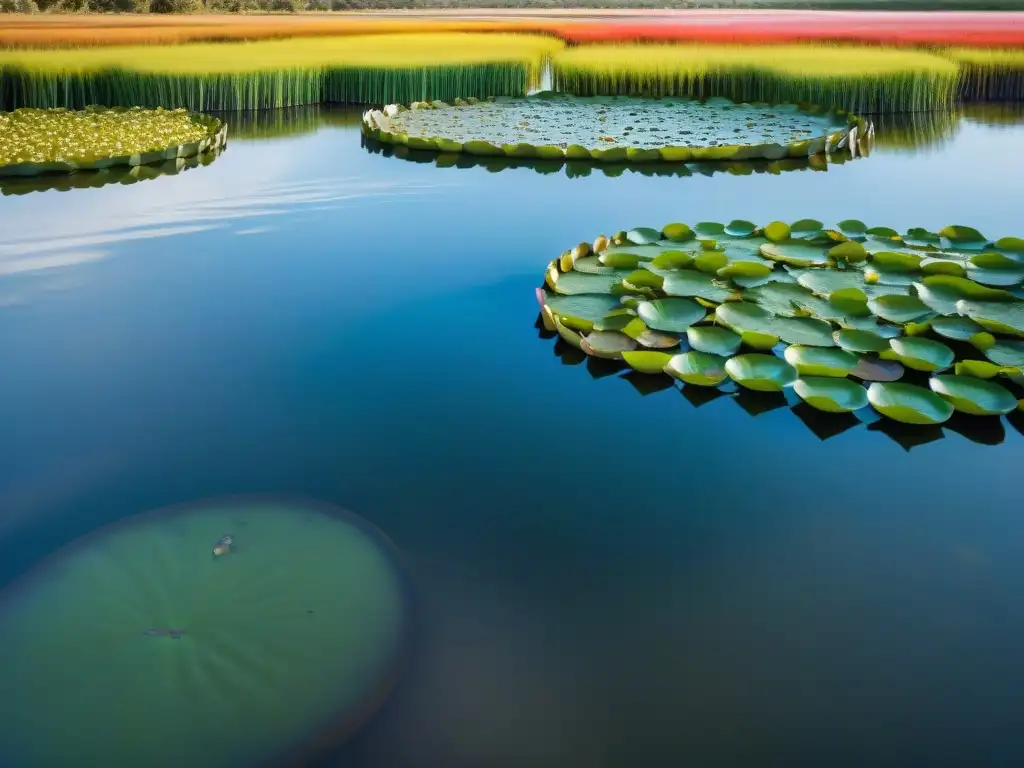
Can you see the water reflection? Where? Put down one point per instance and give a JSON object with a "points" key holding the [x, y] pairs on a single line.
{"points": [[983, 430], [65, 182]]}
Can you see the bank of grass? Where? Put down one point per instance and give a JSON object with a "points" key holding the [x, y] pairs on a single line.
{"points": [[990, 74], [860, 79], [276, 73]]}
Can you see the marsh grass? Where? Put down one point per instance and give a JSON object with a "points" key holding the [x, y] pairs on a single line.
{"points": [[860, 79], [278, 73], [990, 74]]}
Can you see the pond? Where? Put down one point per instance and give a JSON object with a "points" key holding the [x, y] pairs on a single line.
{"points": [[605, 573]]}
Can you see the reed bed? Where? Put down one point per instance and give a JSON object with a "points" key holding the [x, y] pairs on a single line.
{"points": [[860, 79], [272, 74], [933, 28], [990, 74]]}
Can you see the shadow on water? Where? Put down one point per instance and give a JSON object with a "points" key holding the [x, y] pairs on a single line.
{"points": [[982, 430]]}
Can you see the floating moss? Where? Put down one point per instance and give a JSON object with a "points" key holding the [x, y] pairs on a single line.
{"points": [[223, 633]]}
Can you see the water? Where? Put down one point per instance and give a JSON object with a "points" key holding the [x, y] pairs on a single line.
{"points": [[605, 577]]}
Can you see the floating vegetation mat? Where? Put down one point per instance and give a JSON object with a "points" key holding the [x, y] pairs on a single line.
{"points": [[118, 174], [615, 128], [224, 633], [861, 79], [917, 325], [38, 141], [362, 69]]}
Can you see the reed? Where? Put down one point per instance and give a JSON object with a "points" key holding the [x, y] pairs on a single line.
{"points": [[279, 73], [989, 74], [860, 79]]}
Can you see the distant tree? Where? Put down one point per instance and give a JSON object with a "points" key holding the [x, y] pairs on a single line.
{"points": [[177, 6], [18, 6]]}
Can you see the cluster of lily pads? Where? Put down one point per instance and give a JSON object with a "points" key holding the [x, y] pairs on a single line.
{"points": [[615, 129], [37, 141], [931, 322]]}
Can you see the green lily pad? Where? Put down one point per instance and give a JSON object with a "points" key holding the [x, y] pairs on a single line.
{"points": [[894, 261], [568, 335], [962, 235], [821, 361], [883, 233], [932, 266], [677, 232], [643, 236], [607, 344], [777, 231], [615, 320], [671, 260], [744, 269], [572, 283], [922, 354], [619, 260], [825, 282], [743, 316], [993, 260], [796, 254], [976, 397], [853, 340], [962, 288], [979, 369], [852, 228], [710, 261], [762, 342], [713, 340], [689, 283], [996, 316], [644, 278], [698, 368], [673, 314], [999, 278], [805, 229], [761, 373], [740, 228], [909, 403], [956, 328], [651, 339], [851, 252], [709, 229], [646, 361], [1007, 353], [591, 265], [898, 309], [831, 395], [982, 340], [585, 306]]}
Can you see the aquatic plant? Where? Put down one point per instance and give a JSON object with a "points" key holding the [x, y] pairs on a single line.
{"points": [[144, 648], [615, 129], [37, 141], [277, 73], [990, 74], [795, 304], [859, 79]]}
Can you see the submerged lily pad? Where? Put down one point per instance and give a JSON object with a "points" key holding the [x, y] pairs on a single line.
{"points": [[761, 373], [821, 361], [976, 397], [831, 395], [909, 403], [698, 368]]}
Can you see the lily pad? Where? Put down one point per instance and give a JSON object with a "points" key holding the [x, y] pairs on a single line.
{"points": [[574, 283], [922, 354], [931, 266], [854, 340], [883, 233], [607, 344], [976, 397], [821, 361], [585, 306], [677, 232], [669, 260], [831, 395], [805, 229], [959, 234], [993, 260], [643, 235], [688, 283], [744, 316], [898, 309], [740, 228], [710, 261], [619, 260], [698, 368], [796, 254], [655, 339], [996, 316], [744, 269], [956, 328], [714, 340], [874, 369], [761, 373], [1007, 353], [569, 336], [895, 261], [777, 231], [646, 361], [852, 228], [674, 314], [979, 369], [850, 252], [909, 403], [709, 229], [1000, 278]]}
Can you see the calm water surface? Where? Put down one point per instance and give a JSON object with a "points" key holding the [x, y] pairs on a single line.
{"points": [[606, 575]]}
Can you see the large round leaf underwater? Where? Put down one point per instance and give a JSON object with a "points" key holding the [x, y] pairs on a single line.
{"points": [[138, 645], [830, 394], [973, 396], [909, 403], [762, 373]]}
